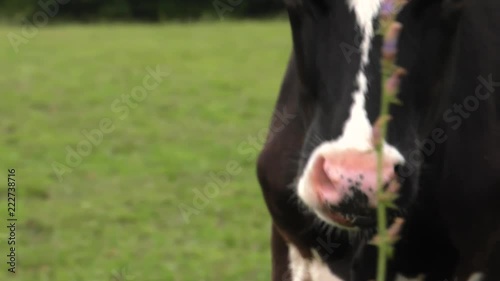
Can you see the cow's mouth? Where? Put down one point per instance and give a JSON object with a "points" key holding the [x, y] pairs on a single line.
{"points": [[349, 220]]}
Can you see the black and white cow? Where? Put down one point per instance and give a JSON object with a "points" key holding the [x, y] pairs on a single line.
{"points": [[318, 172]]}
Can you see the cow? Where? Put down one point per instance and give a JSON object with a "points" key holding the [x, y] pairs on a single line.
{"points": [[317, 173], [333, 70]]}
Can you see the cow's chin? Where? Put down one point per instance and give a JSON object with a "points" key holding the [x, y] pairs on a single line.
{"points": [[336, 219], [346, 221]]}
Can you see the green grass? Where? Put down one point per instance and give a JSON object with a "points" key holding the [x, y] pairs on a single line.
{"points": [[118, 209]]}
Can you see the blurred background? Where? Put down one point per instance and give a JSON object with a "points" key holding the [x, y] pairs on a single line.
{"points": [[134, 127], [142, 10]]}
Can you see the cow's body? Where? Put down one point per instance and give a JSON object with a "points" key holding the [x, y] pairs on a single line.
{"points": [[451, 196], [456, 214], [452, 229]]}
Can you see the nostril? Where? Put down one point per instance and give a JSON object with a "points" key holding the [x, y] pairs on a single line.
{"points": [[386, 185], [397, 168], [333, 173], [326, 182], [322, 173]]}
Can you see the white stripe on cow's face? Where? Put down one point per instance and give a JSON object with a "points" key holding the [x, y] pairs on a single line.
{"points": [[366, 11], [357, 131]]}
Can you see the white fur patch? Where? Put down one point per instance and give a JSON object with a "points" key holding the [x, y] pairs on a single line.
{"points": [[478, 276], [298, 265], [309, 270]]}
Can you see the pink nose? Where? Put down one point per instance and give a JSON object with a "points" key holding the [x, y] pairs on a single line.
{"points": [[346, 175]]}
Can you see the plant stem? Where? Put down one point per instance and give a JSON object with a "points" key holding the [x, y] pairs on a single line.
{"points": [[383, 242]]}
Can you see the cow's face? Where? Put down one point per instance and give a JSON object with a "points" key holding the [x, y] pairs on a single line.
{"points": [[338, 55]]}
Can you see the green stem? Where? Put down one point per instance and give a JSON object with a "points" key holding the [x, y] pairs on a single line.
{"points": [[383, 243], [382, 250]]}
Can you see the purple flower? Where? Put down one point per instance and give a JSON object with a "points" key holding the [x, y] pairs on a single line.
{"points": [[387, 8], [390, 46]]}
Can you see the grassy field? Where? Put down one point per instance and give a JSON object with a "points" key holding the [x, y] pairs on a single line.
{"points": [[109, 210]]}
